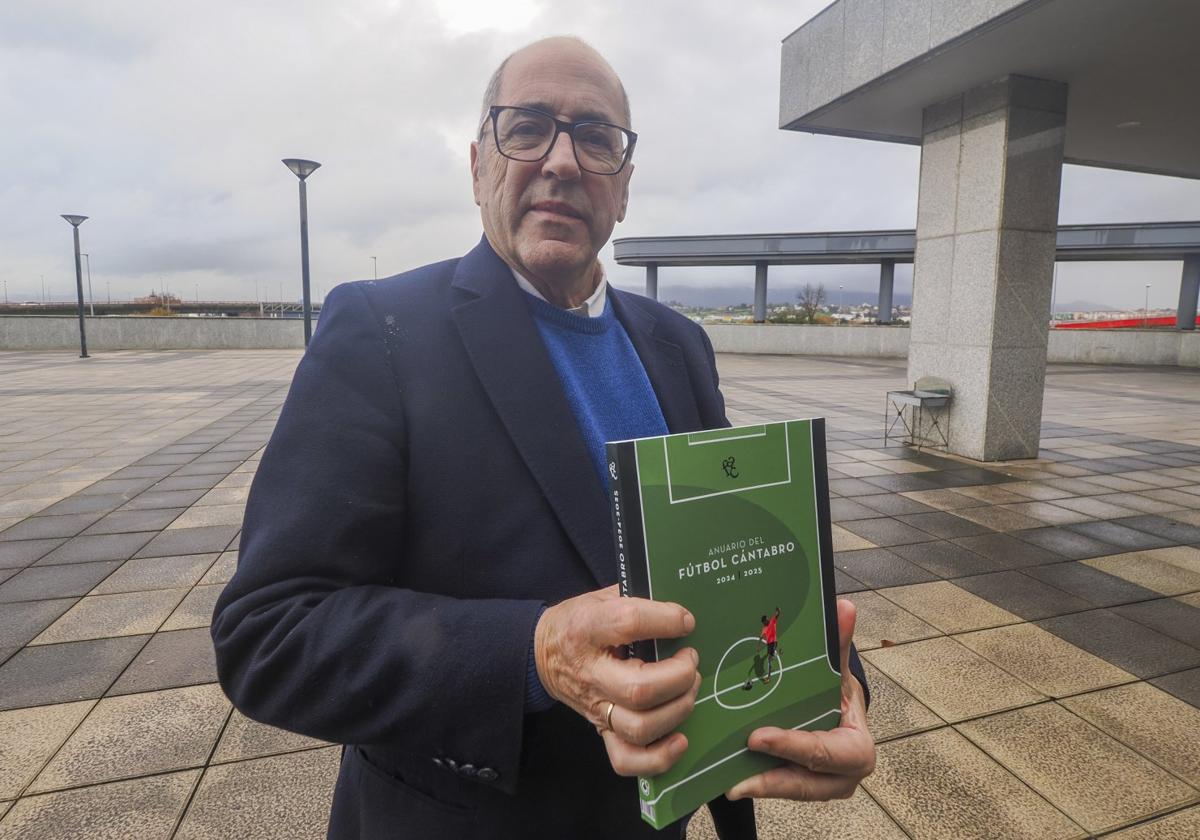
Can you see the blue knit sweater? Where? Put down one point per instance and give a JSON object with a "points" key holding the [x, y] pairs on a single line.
{"points": [[602, 376], [609, 394]]}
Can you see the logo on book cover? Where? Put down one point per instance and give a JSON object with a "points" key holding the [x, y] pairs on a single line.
{"points": [[612, 469], [729, 466]]}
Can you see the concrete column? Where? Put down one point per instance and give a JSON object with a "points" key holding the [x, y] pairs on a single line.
{"points": [[652, 281], [887, 277], [987, 214], [1189, 291], [760, 292]]}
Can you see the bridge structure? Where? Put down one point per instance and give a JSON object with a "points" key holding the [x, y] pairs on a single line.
{"points": [[1074, 243], [213, 308]]}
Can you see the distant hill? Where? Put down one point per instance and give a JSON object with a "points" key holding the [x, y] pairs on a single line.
{"points": [[731, 295], [1084, 306]]}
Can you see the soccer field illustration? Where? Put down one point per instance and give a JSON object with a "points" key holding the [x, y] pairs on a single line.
{"points": [[732, 527]]}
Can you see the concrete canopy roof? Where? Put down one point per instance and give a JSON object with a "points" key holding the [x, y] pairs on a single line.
{"points": [[867, 68], [1146, 241]]}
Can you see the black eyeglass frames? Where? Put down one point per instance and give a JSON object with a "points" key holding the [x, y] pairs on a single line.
{"points": [[528, 135]]}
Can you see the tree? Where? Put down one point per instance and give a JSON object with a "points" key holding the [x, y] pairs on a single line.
{"points": [[811, 300]]}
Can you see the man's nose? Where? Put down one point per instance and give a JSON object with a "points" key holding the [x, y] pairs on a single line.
{"points": [[560, 162]]}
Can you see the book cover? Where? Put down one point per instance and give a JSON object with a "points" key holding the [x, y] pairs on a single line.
{"points": [[734, 525]]}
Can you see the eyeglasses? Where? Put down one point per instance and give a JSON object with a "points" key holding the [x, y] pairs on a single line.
{"points": [[528, 135]]}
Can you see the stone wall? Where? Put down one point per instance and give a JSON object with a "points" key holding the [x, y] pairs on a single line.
{"points": [[1102, 347]]}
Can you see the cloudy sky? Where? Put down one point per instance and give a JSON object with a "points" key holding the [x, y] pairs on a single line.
{"points": [[165, 123]]}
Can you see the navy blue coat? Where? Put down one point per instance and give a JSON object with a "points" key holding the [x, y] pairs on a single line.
{"points": [[426, 490]]}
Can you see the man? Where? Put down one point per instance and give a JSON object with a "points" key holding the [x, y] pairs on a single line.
{"points": [[426, 561], [770, 635]]}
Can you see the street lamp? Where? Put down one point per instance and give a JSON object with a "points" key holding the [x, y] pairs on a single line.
{"points": [[302, 169], [91, 300], [1146, 309], [75, 222]]}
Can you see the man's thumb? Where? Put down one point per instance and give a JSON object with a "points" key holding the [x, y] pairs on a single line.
{"points": [[847, 613]]}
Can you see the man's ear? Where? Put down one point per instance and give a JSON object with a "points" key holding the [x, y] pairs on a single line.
{"points": [[475, 164], [625, 193]]}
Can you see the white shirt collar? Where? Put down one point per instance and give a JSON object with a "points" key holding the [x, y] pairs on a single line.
{"points": [[593, 307]]}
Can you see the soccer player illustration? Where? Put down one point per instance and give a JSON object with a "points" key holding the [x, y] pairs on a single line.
{"points": [[760, 669]]}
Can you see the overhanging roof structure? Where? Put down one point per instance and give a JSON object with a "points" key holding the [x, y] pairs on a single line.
{"points": [[867, 68], [1082, 243]]}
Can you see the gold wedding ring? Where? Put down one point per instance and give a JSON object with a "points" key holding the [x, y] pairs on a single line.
{"points": [[608, 715]]}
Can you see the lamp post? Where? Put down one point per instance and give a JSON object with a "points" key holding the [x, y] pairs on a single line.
{"points": [[375, 263], [1146, 309], [75, 221], [91, 300], [302, 169]]}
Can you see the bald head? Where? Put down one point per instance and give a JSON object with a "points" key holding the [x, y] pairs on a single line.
{"points": [[551, 49]]}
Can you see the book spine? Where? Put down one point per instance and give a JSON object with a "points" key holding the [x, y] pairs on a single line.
{"points": [[625, 501], [821, 475]]}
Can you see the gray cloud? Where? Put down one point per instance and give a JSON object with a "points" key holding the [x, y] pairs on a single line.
{"points": [[165, 122]]}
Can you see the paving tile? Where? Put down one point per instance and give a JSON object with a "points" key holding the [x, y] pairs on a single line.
{"points": [[1052, 665], [1136, 501], [186, 482], [886, 532], [1172, 617], [1098, 588], [1008, 551], [87, 504], [1049, 513], [296, 787], [163, 499], [137, 735], [102, 616], [1094, 507], [128, 521], [1147, 720], [222, 570], [18, 555], [998, 518], [1164, 570], [1181, 825], [853, 487], [21, 622], [880, 620], [1097, 781], [1126, 539], [170, 660], [196, 609], [1022, 595], [842, 510], [1036, 491], [943, 499], [940, 785], [878, 567], [857, 818], [944, 525], [190, 541], [1161, 526], [843, 540], [45, 674], [41, 582], [210, 515], [1124, 643], [1068, 544], [96, 547], [48, 527], [844, 584], [145, 573], [952, 680], [1184, 684], [946, 559], [991, 494], [29, 737], [893, 504], [947, 607], [894, 712], [146, 809], [245, 738]]}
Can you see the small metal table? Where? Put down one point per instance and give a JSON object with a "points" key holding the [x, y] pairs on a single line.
{"points": [[923, 415]]}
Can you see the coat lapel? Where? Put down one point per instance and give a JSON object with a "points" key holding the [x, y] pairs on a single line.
{"points": [[663, 361], [510, 359]]}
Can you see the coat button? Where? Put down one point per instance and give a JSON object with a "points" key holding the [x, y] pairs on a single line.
{"points": [[487, 774], [439, 763], [451, 764], [467, 770]]}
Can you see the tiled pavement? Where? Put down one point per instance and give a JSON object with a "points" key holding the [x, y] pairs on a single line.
{"points": [[1031, 631]]}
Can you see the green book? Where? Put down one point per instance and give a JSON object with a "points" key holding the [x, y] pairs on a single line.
{"points": [[734, 525]]}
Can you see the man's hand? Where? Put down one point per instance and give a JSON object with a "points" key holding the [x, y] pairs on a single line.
{"points": [[822, 765], [578, 648]]}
